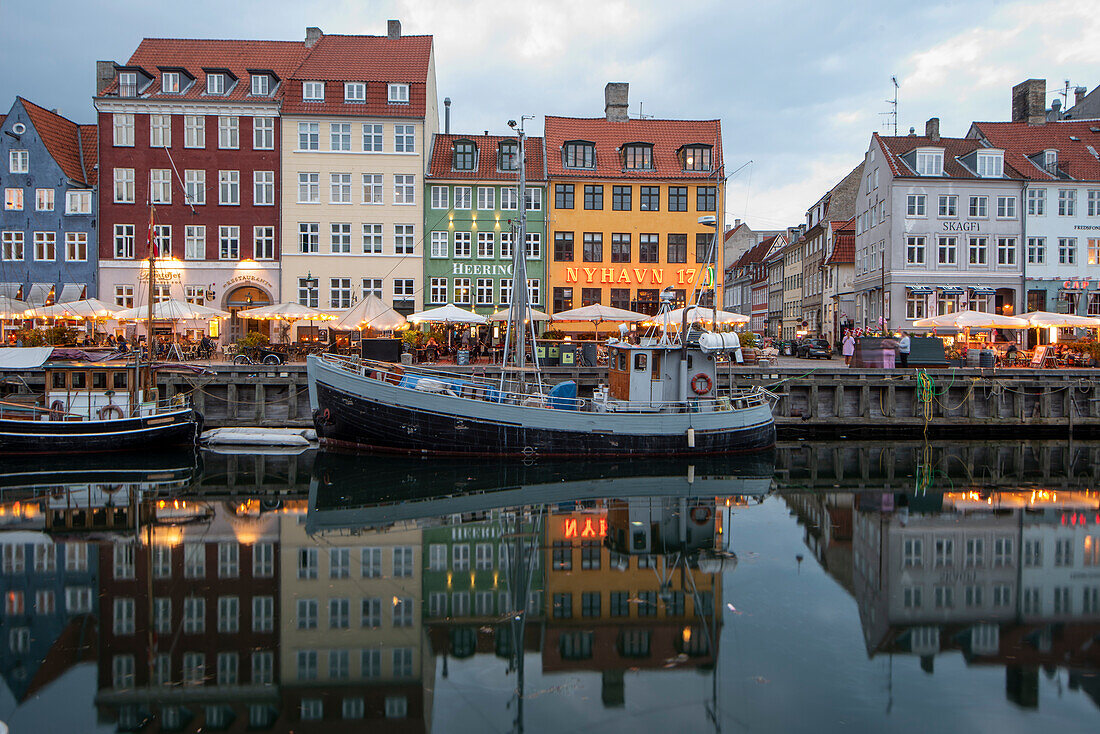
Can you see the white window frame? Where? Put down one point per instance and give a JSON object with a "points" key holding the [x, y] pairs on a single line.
{"points": [[915, 205], [124, 185], [229, 132], [263, 188], [355, 92], [263, 133], [215, 83], [76, 246], [440, 245], [309, 133], [373, 137], [194, 242], [313, 91], [339, 136], [229, 188], [194, 186], [404, 189], [78, 202], [397, 93], [123, 126], [441, 197], [260, 85]]}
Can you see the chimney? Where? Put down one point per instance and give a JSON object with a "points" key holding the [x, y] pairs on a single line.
{"points": [[1079, 95], [736, 222], [932, 129], [104, 75], [447, 115], [313, 35], [393, 29], [614, 101], [1029, 102]]}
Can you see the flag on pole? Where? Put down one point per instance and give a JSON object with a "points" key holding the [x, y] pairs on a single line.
{"points": [[154, 251]]}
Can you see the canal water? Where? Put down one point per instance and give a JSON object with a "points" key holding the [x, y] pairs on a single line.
{"points": [[903, 587]]}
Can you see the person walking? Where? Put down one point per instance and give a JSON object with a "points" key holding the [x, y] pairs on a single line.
{"points": [[903, 348], [848, 347]]}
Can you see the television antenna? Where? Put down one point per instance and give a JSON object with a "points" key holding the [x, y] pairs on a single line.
{"points": [[1064, 92], [892, 115], [641, 114]]}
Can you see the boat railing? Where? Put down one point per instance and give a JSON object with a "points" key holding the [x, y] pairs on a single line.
{"points": [[515, 392], [34, 411]]}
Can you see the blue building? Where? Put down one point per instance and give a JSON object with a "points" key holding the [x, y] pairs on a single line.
{"points": [[48, 246]]}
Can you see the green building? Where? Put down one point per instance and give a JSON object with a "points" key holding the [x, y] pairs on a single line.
{"points": [[471, 212]]}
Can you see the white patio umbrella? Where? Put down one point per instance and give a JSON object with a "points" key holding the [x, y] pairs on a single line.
{"points": [[449, 314], [371, 313], [505, 314], [1047, 319], [286, 311], [973, 320], [173, 310], [702, 313], [597, 313], [11, 308], [86, 309]]}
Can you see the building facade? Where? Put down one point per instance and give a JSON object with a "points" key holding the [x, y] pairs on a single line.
{"points": [[838, 299], [471, 213], [792, 288], [939, 228], [191, 144], [626, 199], [47, 226], [358, 117]]}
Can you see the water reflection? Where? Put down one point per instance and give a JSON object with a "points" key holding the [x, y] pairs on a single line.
{"points": [[314, 592]]}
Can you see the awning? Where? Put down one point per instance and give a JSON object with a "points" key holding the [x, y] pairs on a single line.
{"points": [[951, 290], [920, 290], [39, 293], [23, 358], [982, 291], [11, 290], [71, 292]]}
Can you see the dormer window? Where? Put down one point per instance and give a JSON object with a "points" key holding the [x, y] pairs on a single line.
{"points": [[638, 156], [215, 83], [170, 82], [398, 94], [261, 85], [508, 157], [465, 156], [355, 92], [991, 164], [313, 91], [579, 154], [929, 162], [1050, 160], [697, 158], [127, 84]]}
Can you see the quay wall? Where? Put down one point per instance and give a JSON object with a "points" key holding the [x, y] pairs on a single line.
{"points": [[811, 403]]}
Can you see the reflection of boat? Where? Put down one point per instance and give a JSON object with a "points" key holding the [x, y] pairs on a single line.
{"points": [[31, 473], [348, 491]]}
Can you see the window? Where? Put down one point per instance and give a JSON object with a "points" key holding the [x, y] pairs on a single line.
{"points": [[229, 242], [228, 560], [404, 189], [339, 135], [979, 206], [462, 244], [123, 129], [372, 138], [403, 561], [78, 202], [1067, 250], [977, 248], [912, 553], [462, 290], [620, 248], [912, 597], [371, 613], [975, 552], [309, 188], [76, 246], [339, 292], [945, 552], [194, 615], [13, 199], [914, 250], [124, 187], [372, 287], [194, 131], [263, 188], [215, 83], [229, 132], [307, 614], [464, 156], [949, 205], [372, 188], [650, 198], [402, 290], [1006, 207], [484, 291], [916, 305], [229, 608], [194, 242], [648, 248], [437, 291], [563, 299], [947, 247], [621, 198], [1006, 250], [1093, 248], [170, 82], [506, 246], [307, 563], [533, 198], [1036, 250], [397, 93], [486, 197], [563, 606], [339, 188], [914, 205], [486, 245], [702, 248], [1063, 552], [339, 614], [620, 298], [403, 140], [592, 247], [313, 91], [45, 246], [990, 165], [124, 241], [563, 196], [160, 185], [355, 92], [124, 296], [579, 155], [534, 291], [677, 199], [309, 136], [229, 188], [563, 247], [1094, 203], [930, 163], [706, 198], [534, 246], [677, 248], [403, 607], [440, 244], [194, 186], [441, 197], [944, 597], [1067, 202], [1036, 202], [403, 239]]}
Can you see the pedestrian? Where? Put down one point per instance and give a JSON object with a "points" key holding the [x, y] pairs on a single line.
{"points": [[903, 348], [848, 346]]}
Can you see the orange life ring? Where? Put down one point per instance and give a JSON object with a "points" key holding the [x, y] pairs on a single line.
{"points": [[700, 515], [701, 384], [326, 415], [107, 410]]}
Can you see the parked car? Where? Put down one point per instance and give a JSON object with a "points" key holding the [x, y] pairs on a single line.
{"points": [[813, 349]]}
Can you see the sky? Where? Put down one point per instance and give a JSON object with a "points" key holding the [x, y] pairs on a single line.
{"points": [[799, 85]]}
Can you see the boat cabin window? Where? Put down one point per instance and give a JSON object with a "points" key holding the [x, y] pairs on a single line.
{"points": [[120, 381], [78, 380], [58, 380], [622, 361], [690, 360], [640, 361], [99, 380], [656, 367]]}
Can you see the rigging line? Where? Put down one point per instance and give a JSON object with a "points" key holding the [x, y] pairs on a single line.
{"points": [[183, 189]]}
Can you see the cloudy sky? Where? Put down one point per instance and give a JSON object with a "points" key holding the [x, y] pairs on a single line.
{"points": [[799, 85]]}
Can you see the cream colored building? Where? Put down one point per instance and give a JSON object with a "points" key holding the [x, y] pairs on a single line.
{"points": [[357, 124], [792, 288]]}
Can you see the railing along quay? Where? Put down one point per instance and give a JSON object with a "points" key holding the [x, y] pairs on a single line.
{"points": [[816, 401]]}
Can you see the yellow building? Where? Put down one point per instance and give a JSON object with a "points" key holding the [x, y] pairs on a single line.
{"points": [[626, 197]]}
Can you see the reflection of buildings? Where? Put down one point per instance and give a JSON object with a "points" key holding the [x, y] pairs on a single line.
{"points": [[190, 616], [351, 645], [632, 584], [1012, 579], [827, 519]]}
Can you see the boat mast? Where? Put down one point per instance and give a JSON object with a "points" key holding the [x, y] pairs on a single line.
{"points": [[519, 302], [149, 326]]}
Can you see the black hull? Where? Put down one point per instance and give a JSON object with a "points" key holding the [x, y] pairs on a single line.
{"points": [[356, 422], [127, 434]]}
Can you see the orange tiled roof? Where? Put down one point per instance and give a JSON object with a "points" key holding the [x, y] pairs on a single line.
{"points": [[367, 59], [666, 136], [194, 55], [1077, 158], [442, 160], [893, 148], [844, 248], [89, 134], [61, 136]]}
